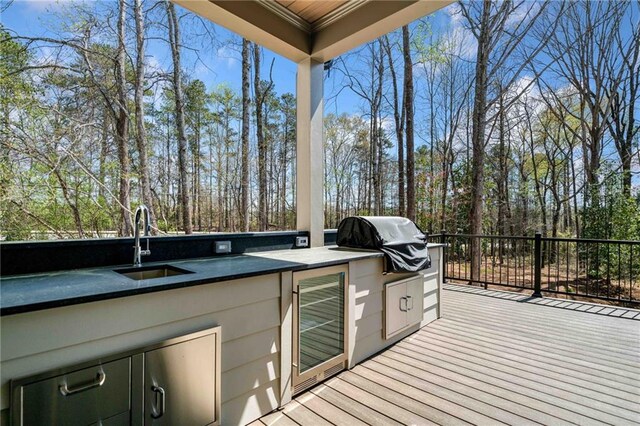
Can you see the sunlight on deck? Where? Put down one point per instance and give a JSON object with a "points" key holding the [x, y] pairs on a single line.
{"points": [[493, 358]]}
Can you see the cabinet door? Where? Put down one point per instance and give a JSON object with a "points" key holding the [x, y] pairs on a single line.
{"points": [[415, 299], [395, 308], [180, 383]]}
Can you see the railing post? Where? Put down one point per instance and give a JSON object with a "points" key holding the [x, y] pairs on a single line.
{"points": [[443, 240], [537, 283]]}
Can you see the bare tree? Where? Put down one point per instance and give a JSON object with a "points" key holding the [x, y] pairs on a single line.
{"points": [[586, 53], [497, 38], [122, 124], [625, 66], [246, 100], [398, 117], [408, 115], [174, 41], [455, 87], [141, 132], [261, 94]]}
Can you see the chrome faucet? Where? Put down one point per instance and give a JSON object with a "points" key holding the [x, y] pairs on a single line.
{"points": [[142, 210]]}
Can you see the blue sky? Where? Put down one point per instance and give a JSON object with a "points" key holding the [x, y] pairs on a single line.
{"points": [[214, 65]]}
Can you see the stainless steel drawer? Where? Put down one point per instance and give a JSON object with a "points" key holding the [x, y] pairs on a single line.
{"points": [[78, 398]]}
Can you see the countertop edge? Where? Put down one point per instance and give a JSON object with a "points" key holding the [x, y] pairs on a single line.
{"points": [[187, 282], [70, 301], [191, 281]]}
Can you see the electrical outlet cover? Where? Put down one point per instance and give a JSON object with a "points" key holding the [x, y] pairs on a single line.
{"points": [[302, 241], [222, 247]]}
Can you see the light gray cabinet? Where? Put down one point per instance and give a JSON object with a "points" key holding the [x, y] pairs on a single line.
{"points": [[176, 381], [403, 302]]}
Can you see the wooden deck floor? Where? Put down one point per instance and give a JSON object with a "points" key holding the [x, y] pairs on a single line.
{"points": [[489, 360]]}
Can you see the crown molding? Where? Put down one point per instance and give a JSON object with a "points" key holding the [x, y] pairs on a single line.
{"points": [[336, 14], [300, 23], [284, 13]]}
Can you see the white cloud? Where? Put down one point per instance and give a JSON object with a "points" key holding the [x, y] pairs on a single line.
{"points": [[459, 39], [388, 124], [454, 13], [461, 42], [524, 87], [523, 13], [227, 57], [153, 64]]}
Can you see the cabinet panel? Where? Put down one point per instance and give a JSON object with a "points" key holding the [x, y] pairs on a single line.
{"points": [[415, 299], [395, 308], [80, 397], [180, 383], [403, 304], [177, 380]]}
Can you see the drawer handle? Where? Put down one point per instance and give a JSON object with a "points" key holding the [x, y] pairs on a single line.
{"points": [[403, 309], [409, 298], [159, 412], [96, 383]]}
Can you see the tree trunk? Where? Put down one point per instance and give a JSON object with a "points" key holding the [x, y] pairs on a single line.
{"points": [[174, 39], [377, 134], [244, 199], [399, 125], [478, 140], [262, 149], [122, 126], [104, 152], [77, 219], [408, 106], [141, 134]]}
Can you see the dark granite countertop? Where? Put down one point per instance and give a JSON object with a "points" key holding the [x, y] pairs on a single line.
{"points": [[32, 292]]}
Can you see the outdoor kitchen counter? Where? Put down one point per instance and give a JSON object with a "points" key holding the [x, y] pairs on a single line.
{"points": [[33, 292], [48, 324]]}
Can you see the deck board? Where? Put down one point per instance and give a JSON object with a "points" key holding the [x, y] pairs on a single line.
{"points": [[302, 415], [580, 358], [352, 406], [493, 358], [558, 379], [403, 416]]}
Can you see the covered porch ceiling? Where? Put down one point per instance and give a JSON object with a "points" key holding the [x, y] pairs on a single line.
{"points": [[317, 29]]}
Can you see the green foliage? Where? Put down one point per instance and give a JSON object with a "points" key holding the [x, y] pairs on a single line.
{"points": [[428, 49], [13, 58], [609, 214]]}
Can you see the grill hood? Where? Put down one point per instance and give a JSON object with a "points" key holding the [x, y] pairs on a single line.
{"points": [[404, 245]]}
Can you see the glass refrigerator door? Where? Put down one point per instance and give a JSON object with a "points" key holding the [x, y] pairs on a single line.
{"points": [[321, 319]]}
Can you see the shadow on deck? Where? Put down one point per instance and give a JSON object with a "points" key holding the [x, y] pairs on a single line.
{"points": [[493, 358]]}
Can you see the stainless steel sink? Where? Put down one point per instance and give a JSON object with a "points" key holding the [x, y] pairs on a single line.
{"points": [[152, 272]]}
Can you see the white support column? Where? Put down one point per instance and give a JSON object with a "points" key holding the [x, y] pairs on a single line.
{"points": [[310, 151]]}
